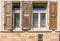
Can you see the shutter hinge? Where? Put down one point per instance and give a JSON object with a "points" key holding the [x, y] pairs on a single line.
{"points": [[4, 24], [4, 6]]}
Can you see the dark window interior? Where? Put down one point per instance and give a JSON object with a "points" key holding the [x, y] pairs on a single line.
{"points": [[35, 19], [39, 6], [16, 19], [42, 19], [16, 6], [40, 37]]}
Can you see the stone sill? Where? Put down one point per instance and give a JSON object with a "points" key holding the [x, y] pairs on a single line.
{"points": [[30, 31], [21, 31]]}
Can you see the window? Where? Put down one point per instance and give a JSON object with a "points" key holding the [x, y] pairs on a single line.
{"points": [[16, 15], [16, 19], [40, 37], [39, 15], [42, 19], [39, 19], [35, 19]]}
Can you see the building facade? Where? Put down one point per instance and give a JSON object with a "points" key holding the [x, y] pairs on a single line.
{"points": [[35, 20]]}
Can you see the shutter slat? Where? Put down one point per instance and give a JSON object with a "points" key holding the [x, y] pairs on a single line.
{"points": [[8, 15], [53, 15], [26, 12]]}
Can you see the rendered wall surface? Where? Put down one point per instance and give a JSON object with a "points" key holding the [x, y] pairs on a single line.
{"points": [[28, 36]]}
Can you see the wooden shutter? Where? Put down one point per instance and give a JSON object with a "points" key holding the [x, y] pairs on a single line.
{"points": [[53, 15], [8, 15], [26, 12]]}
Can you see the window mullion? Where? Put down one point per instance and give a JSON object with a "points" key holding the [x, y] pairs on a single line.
{"points": [[13, 20], [39, 20], [32, 21], [20, 20]]}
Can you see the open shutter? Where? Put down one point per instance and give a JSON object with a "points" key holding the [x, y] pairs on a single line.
{"points": [[53, 15], [26, 12], [8, 15]]}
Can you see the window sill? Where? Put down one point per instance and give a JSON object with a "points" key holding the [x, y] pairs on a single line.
{"points": [[18, 30], [40, 30], [11, 31], [35, 30]]}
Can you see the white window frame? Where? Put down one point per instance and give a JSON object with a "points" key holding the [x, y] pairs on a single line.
{"points": [[40, 28], [13, 20], [20, 12]]}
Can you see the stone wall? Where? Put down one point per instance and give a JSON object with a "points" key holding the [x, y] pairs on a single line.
{"points": [[28, 36]]}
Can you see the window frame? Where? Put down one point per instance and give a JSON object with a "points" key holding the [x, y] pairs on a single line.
{"points": [[20, 21], [39, 28], [47, 18]]}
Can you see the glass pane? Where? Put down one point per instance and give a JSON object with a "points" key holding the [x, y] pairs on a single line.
{"points": [[42, 19], [16, 19], [16, 9], [39, 8], [35, 19]]}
